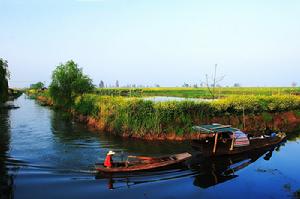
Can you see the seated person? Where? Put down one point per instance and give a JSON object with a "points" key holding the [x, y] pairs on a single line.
{"points": [[108, 163]]}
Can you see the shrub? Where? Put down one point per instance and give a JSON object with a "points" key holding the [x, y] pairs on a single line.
{"points": [[4, 76]]}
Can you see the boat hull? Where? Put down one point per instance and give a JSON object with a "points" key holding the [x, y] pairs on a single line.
{"points": [[154, 163]]}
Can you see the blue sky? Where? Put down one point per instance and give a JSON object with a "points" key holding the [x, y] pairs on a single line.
{"points": [[166, 42]]}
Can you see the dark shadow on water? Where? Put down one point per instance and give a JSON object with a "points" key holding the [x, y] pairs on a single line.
{"points": [[6, 179], [214, 171], [294, 136]]}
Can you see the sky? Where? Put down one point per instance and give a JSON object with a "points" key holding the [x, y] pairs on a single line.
{"points": [[148, 42]]}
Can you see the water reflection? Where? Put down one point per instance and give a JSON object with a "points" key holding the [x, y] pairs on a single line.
{"points": [[73, 134], [212, 172], [206, 172], [6, 180], [294, 136], [129, 180]]}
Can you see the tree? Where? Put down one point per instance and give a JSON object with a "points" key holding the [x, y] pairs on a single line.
{"points": [[185, 85], [38, 85], [101, 85], [117, 84], [4, 76], [68, 82], [211, 86], [294, 84], [236, 85]]}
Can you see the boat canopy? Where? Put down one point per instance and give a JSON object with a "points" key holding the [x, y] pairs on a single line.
{"points": [[214, 128]]}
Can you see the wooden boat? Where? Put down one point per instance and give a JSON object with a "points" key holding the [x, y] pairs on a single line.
{"points": [[222, 140], [141, 163]]}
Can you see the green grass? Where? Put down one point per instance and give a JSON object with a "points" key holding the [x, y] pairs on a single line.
{"points": [[125, 92], [136, 116], [219, 92], [198, 92]]}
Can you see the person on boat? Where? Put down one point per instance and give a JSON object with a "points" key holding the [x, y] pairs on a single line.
{"points": [[108, 160]]}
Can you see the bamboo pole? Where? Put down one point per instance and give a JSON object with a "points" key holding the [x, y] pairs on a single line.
{"points": [[215, 144], [232, 142], [244, 120]]}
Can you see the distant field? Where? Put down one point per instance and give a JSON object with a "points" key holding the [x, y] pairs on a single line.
{"points": [[201, 92]]}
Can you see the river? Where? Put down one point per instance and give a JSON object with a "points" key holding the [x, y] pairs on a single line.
{"points": [[43, 154]]}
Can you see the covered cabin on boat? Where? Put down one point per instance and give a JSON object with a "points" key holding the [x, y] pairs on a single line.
{"points": [[239, 138]]}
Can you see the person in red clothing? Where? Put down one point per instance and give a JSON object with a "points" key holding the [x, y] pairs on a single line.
{"points": [[108, 160]]}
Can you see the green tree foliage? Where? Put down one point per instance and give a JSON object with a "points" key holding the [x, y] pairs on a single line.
{"points": [[68, 82], [36, 86], [4, 76]]}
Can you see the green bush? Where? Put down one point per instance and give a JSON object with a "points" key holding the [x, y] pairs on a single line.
{"points": [[87, 105], [4, 77], [267, 117]]}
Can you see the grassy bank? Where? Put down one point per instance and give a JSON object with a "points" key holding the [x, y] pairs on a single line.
{"points": [[140, 117], [137, 117]]}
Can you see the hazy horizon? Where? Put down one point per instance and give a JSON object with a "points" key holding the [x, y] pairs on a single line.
{"points": [[165, 42]]}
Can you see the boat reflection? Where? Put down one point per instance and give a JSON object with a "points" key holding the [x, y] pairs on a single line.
{"points": [[128, 180], [206, 172], [215, 171]]}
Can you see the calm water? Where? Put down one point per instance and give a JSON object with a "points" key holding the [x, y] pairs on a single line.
{"points": [[44, 155]]}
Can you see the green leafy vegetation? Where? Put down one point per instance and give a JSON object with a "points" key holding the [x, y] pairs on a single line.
{"points": [[267, 117], [4, 76], [126, 92], [297, 113], [68, 82], [38, 85], [220, 92], [138, 116]]}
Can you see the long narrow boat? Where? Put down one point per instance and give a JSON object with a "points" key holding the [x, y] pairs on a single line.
{"points": [[144, 163], [225, 140]]}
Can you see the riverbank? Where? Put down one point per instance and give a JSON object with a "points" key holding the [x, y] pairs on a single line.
{"points": [[254, 124], [172, 120], [12, 95]]}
